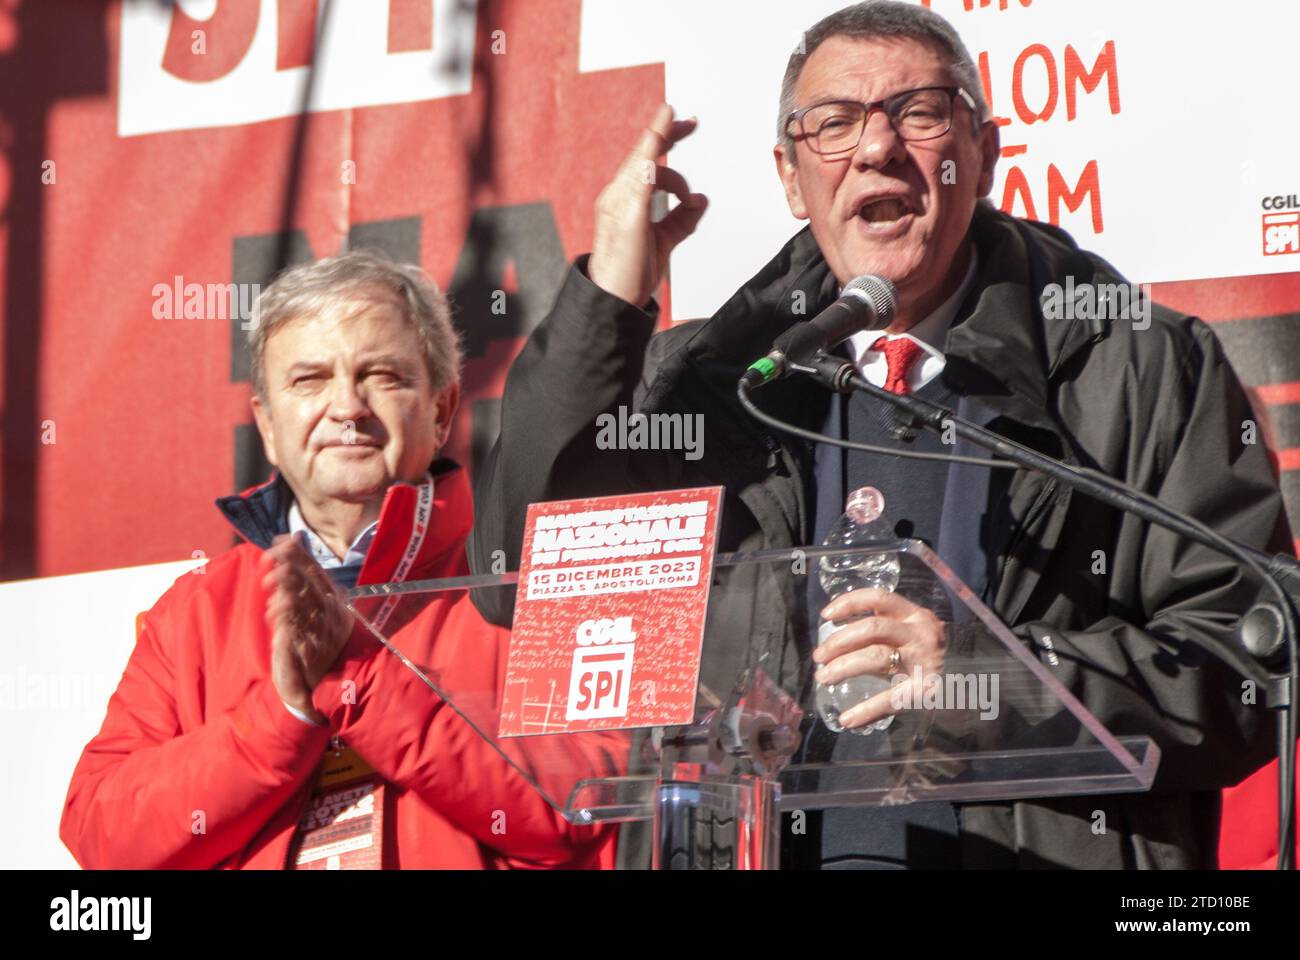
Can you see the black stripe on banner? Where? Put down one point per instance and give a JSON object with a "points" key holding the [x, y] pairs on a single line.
{"points": [[1286, 423], [1263, 349]]}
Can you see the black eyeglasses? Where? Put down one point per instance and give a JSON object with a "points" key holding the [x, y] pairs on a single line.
{"points": [[835, 126]]}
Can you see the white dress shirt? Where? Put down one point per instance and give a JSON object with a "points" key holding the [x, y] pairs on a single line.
{"points": [[930, 334], [322, 554]]}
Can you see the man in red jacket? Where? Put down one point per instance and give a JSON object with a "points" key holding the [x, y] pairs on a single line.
{"points": [[260, 723]]}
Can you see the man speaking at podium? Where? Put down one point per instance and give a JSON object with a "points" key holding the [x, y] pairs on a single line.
{"points": [[886, 148]]}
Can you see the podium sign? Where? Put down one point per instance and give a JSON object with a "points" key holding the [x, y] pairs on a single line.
{"points": [[609, 619]]}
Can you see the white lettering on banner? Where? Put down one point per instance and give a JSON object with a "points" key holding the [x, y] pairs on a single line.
{"points": [[613, 578], [619, 534], [249, 72], [597, 633]]}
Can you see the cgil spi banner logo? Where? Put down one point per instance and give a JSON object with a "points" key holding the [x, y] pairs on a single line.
{"points": [[602, 669], [1281, 225]]}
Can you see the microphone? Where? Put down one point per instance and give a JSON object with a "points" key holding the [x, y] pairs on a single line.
{"points": [[867, 303]]}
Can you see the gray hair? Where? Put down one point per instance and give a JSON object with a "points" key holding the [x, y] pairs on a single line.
{"points": [[887, 19], [309, 288]]}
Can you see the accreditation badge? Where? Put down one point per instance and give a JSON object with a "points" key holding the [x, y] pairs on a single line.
{"points": [[342, 827]]}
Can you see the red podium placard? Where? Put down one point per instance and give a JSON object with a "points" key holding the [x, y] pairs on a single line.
{"points": [[609, 619]]}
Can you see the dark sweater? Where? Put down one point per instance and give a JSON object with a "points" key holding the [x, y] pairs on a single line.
{"points": [[919, 835]]}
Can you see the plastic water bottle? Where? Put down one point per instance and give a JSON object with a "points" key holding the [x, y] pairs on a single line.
{"points": [[863, 521]]}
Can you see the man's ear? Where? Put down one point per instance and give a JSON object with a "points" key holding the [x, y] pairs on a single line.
{"points": [[990, 150], [262, 417], [789, 174], [448, 402]]}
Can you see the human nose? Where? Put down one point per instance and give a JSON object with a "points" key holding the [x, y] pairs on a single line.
{"points": [[880, 143], [346, 400]]}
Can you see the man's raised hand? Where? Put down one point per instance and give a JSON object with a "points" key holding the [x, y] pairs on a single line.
{"points": [[630, 252]]}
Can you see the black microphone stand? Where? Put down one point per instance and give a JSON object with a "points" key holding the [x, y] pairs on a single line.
{"points": [[1272, 626]]}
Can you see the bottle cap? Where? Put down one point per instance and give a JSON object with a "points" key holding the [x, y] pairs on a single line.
{"points": [[865, 505]]}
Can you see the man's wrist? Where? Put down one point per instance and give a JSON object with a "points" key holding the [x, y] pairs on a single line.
{"points": [[583, 266], [303, 715]]}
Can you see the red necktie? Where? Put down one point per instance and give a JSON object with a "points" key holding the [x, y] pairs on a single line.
{"points": [[901, 354]]}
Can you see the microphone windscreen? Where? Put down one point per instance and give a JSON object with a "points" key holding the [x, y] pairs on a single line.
{"points": [[878, 292]]}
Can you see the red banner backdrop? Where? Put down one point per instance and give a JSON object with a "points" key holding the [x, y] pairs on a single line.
{"points": [[121, 426]]}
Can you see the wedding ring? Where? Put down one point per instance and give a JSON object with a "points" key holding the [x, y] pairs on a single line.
{"points": [[895, 658]]}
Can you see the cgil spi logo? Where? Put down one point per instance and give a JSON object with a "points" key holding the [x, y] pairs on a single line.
{"points": [[1281, 225], [602, 669]]}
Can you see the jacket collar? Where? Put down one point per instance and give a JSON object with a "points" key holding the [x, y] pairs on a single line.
{"points": [[1000, 348], [1004, 349], [411, 537], [261, 513]]}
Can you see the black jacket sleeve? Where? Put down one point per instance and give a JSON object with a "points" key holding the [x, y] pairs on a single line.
{"points": [[585, 359], [1151, 672]]}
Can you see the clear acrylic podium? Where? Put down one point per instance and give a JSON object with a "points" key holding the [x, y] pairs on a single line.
{"points": [[994, 725]]}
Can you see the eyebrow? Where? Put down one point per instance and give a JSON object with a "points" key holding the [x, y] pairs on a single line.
{"points": [[387, 360], [836, 98], [381, 360]]}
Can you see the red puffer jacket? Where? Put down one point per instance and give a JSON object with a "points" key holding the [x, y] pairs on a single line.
{"points": [[199, 764]]}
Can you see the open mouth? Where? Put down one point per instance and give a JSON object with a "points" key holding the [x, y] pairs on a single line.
{"points": [[884, 210]]}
